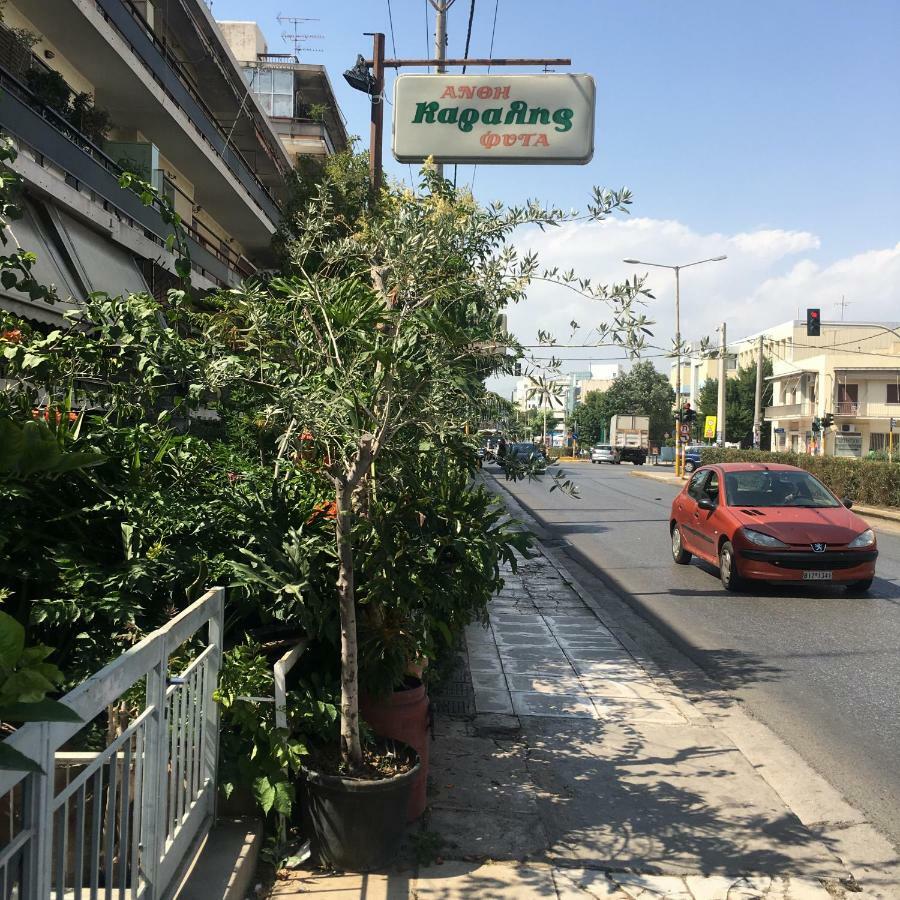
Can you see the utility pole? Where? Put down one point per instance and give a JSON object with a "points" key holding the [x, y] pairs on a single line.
{"points": [[757, 406], [720, 409], [376, 127], [440, 46]]}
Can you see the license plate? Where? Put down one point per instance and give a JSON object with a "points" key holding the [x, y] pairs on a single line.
{"points": [[817, 576]]}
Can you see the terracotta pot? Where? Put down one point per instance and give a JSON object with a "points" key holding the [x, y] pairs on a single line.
{"points": [[404, 716]]}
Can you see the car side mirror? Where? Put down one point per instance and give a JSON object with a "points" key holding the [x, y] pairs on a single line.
{"points": [[847, 502], [706, 503]]}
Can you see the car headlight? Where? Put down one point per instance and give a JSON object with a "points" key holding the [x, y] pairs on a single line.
{"points": [[866, 539], [764, 540]]}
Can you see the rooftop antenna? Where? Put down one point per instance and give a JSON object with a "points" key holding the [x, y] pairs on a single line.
{"points": [[843, 304], [293, 37]]}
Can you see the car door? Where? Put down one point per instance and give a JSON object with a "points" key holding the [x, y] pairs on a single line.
{"points": [[708, 522], [687, 510]]}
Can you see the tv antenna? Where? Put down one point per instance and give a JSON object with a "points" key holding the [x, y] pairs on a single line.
{"points": [[843, 304], [294, 38]]}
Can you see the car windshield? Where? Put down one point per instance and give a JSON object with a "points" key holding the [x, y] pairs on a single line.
{"points": [[764, 487]]}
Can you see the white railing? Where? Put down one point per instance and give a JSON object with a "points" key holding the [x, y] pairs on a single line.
{"points": [[120, 822]]}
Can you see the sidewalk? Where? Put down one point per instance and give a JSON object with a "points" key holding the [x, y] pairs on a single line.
{"points": [[564, 767]]}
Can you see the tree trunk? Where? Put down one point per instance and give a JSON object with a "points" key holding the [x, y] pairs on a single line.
{"points": [[351, 750]]}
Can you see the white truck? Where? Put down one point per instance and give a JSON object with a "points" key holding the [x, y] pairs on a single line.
{"points": [[631, 436]]}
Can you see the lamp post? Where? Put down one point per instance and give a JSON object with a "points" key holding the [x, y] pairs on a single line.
{"points": [[676, 270]]}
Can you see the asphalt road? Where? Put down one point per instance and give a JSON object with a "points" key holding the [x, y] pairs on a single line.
{"points": [[821, 669]]}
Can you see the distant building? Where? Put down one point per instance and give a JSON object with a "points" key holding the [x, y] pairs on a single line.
{"points": [[852, 370], [297, 97], [567, 390], [90, 89], [698, 367]]}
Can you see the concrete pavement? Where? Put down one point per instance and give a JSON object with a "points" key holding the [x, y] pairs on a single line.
{"points": [[573, 767]]}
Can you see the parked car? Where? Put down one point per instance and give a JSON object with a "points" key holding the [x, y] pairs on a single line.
{"points": [[525, 451], [768, 522], [602, 453], [692, 458]]}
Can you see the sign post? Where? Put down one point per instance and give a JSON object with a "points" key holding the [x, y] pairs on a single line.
{"points": [[373, 85], [709, 427]]}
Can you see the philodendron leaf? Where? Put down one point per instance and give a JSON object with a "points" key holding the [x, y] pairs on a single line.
{"points": [[264, 792], [42, 711], [12, 641], [12, 760]]}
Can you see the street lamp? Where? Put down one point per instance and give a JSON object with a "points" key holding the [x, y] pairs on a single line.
{"points": [[677, 270]]}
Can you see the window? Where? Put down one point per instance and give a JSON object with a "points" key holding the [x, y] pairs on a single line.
{"points": [[712, 487], [274, 88], [893, 393], [878, 441], [848, 393], [777, 488], [695, 489]]}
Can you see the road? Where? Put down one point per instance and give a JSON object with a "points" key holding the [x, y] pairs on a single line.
{"points": [[821, 669]]}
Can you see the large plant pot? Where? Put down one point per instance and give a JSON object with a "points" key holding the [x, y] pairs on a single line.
{"points": [[354, 824], [404, 716]]}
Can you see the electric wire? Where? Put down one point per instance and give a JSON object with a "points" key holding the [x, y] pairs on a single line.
{"points": [[466, 56], [490, 56], [394, 49]]}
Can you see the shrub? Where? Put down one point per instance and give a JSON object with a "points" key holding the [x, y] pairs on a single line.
{"points": [[865, 481]]}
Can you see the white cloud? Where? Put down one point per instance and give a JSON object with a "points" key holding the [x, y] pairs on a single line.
{"points": [[771, 275]]}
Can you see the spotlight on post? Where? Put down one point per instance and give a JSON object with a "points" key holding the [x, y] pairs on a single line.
{"points": [[360, 78]]}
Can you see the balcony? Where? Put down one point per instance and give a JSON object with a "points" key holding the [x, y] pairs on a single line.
{"points": [[847, 408], [789, 410], [84, 163], [234, 166]]}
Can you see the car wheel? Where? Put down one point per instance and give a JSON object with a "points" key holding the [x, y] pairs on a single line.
{"points": [[679, 554], [689, 466], [731, 581], [860, 587]]}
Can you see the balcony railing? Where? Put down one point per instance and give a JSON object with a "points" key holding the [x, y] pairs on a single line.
{"points": [[134, 30], [847, 408], [788, 410], [52, 135]]}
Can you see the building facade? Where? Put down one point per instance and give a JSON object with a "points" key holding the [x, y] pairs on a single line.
{"points": [[90, 90], [852, 371], [297, 97]]}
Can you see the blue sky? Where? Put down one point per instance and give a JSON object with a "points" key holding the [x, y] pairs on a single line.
{"points": [[768, 129]]}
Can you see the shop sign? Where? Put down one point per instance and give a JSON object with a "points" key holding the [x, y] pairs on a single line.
{"points": [[494, 118]]}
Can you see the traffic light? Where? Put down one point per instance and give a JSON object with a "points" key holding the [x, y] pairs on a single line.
{"points": [[827, 421], [816, 425], [690, 415], [518, 368], [813, 322]]}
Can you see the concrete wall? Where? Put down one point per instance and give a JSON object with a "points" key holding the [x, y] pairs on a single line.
{"points": [[245, 39]]}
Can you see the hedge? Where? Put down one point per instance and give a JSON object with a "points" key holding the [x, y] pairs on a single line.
{"points": [[865, 481]]}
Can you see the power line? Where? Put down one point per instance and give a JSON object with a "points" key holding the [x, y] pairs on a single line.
{"points": [[490, 55], [466, 56], [394, 47]]}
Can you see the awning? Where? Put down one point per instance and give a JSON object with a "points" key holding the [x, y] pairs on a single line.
{"points": [[101, 263], [49, 270]]}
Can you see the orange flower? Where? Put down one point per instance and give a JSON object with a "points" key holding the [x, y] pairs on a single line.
{"points": [[327, 509], [13, 336]]}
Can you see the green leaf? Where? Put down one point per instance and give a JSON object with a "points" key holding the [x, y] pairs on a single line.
{"points": [[12, 641], [284, 798], [264, 792], [41, 711], [12, 760], [26, 686]]}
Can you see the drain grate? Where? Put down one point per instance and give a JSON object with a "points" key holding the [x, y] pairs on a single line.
{"points": [[454, 706]]}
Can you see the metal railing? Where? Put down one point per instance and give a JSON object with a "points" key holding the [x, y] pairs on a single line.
{"points": [[846, 408], [125, 818]]}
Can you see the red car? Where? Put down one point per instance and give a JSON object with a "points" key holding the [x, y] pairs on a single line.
{"points": [[771, 523]]}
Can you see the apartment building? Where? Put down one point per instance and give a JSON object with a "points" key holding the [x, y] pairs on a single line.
{"points": [[565, 391], [852, 370], [297, 97], [89, 88], [698, 367]]}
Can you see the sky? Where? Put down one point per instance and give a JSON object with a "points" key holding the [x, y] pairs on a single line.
{"points": [[768, 131]]}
